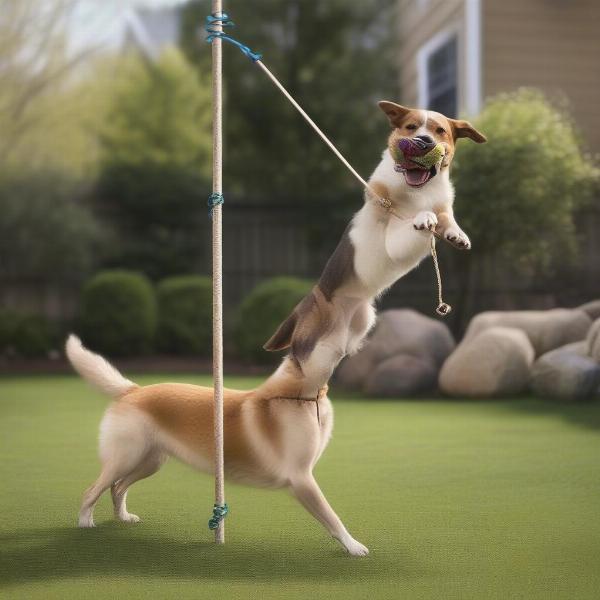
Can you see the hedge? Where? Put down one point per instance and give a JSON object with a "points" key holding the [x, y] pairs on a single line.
{"points": [[262, 311], [118, 313], [185, 315]]}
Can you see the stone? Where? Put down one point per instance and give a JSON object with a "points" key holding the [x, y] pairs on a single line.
{"points": [[566, 374], [546, 329], [494, 362], [592, 342], [402, 375], [397, 332], [592, 309]]}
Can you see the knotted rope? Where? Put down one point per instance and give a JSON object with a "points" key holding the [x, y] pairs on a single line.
{"points": [[219, 513]]}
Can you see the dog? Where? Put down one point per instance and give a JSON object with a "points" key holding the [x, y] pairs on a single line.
{"points": [[388, 237], [273, 436]]}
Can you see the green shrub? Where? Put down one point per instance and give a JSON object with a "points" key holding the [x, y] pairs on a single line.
{"points": [[8, 325], [517, 194], [185, 315], [262, 311], [118, 313], [27, 335]]}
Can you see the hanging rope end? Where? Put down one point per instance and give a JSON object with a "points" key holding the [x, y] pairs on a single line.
{"points": [[443, 309], [219, 513]]}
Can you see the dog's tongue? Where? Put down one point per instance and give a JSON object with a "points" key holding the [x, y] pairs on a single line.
{"points": [[416, 176]]}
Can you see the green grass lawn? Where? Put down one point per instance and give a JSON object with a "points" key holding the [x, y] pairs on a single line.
{"points": [[457, 500]]}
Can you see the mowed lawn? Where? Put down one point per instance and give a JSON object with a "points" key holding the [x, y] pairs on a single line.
{"points": [[457, 500]]}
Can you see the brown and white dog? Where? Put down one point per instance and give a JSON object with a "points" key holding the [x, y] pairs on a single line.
{"points": [[380, 245], [273, 436]]}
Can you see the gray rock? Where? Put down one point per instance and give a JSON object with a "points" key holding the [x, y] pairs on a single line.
{"points": [[402, 375], [592, 342], [564, 373], [495, 362], [592, 309], [397, 332], [546, 329], [353, 371]]}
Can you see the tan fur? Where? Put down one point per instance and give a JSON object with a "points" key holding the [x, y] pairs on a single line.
{"points": [[272, 436], [406, 122]]}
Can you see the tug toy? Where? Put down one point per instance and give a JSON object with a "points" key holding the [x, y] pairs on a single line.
{"points": [[413, 153]]}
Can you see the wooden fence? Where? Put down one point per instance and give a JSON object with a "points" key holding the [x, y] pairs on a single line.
{"points": [[263, 241]]}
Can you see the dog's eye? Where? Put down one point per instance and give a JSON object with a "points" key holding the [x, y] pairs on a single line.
{"points": [[440, 130], [411, 126]]}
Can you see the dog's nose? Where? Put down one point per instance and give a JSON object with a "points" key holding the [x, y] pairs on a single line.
{"points": [[425, 138]]}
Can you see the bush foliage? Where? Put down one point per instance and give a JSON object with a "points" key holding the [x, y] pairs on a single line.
{"points": [[185, 315], [118, 313], [262, 311], [26, 335], [517, 194]]}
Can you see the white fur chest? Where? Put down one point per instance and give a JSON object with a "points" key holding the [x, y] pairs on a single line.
{"points": [[388, 246]]}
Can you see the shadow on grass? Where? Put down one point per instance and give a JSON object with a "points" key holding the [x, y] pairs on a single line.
{"points": [[117, 550], [583, 413]]}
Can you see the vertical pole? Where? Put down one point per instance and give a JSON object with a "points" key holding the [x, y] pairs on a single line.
{"points": [[217, 263]]}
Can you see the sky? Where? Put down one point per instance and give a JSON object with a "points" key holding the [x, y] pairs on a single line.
{"points": [[101, 22]]}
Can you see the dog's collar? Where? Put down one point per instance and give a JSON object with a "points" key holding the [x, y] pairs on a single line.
{"points": [[320, 395]]}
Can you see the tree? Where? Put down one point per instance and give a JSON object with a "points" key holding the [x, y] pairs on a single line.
{"points": [[336, 58], [517, 195], [47, 232], [160, 114], [40, 112], [155, 165]]}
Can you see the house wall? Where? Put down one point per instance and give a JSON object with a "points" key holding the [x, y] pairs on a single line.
{"points": [[419, 21], [553, 45]]}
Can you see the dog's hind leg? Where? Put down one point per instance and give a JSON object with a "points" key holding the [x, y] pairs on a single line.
{"points": [[308, 493], [111, 471], [123, 446], [148, 466]]}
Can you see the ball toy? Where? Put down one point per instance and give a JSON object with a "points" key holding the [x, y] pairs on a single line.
{"points": [[411, 153]]}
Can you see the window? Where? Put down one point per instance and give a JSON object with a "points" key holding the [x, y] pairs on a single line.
{"points": [[441, 79]]}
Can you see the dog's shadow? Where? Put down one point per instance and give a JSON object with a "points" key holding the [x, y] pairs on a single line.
{"points": [[113, 549]]}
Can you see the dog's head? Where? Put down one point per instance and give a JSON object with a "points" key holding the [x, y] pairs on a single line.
{"points": [[427, 128]]}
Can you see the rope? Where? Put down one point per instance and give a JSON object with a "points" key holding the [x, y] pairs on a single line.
{"points": [[215, 202], [215, 199], [442, 309], [219, 513], [219, 19]]}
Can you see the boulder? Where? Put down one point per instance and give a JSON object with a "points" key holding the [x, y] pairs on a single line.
{"points": [[397, 332], [546, 329], [592, 342], [592, 309], [494, 362], [402, 375], [565, 373]]}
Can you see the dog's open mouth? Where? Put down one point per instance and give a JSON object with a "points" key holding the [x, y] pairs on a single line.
{"points": [[418, 177]]}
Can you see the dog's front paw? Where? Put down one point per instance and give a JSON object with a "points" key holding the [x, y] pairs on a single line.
{"points": [[355, 548], [457, 238], [425, 220]]}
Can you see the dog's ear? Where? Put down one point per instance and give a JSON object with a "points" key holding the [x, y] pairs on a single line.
{"points": [[464, 129], [395, 112], [282, 338]]}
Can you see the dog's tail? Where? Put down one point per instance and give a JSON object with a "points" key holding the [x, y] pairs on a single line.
{"points": [[96, 370]]}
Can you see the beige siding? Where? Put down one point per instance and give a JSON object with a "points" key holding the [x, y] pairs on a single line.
{"points": [[419, 21], [550, 44]]}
